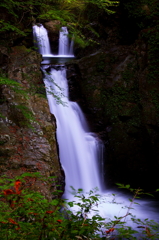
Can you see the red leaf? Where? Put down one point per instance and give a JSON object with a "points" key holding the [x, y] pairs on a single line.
{"points": [[17, 228], [140, 227], [8, 192], [59, 220], [49, 212], [17, 186], [110, 230], [12, 221], [148, 232]]}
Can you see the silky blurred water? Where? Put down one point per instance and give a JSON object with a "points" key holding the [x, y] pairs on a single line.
{"points": [[81, 151]]}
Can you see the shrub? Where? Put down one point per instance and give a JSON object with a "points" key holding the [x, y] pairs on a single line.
{"points": [[27, 214]]}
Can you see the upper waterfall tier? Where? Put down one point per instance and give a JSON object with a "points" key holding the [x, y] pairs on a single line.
{"points": [[65, 48], [43, 45], [41, 40]]}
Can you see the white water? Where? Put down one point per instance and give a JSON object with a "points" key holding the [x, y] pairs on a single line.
{"points": [[65, 49], [81, 151], [42, 42]]}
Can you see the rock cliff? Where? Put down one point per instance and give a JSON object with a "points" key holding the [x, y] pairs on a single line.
{"points": [[28, 130], [119, 89]]}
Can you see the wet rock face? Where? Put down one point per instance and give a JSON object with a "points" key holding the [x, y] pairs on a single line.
{"points": [[53, 33], [28, 130], [52, 26], [116, 95]]}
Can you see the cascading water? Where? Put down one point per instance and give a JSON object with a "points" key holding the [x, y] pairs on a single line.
{"points": [[42, 43], [65, 48], [80, 150], [41, 40]]}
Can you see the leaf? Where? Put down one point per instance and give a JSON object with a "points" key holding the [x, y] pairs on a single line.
{"points": [[119, 184], [110, 230], [8, 192], [72, 188], [17, 185], [55, 202], [9, 82], [80, 190], [148, 232], [149, 194], [140, 227], [71, 204]]}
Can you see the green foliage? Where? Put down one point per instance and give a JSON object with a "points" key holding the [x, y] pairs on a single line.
{"points": [[9, 27], [15, 86], [27, 214], [16, 12], [18, 89], [58, 95], [28, 118], [71, 13]]}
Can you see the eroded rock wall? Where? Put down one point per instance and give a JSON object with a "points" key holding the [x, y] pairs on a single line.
{"points": [[28, 130]]}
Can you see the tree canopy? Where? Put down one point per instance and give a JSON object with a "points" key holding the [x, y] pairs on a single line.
{"points": [[17, 16]]}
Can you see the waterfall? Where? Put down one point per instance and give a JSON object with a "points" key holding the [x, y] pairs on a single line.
{"points": [[71, 47], [65, 48], [41, 40], [63, 42], [80, 150], [42, 43]]}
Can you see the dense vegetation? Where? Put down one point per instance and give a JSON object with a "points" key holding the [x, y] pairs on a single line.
{"points": [[17, 16], [26, 214]]}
